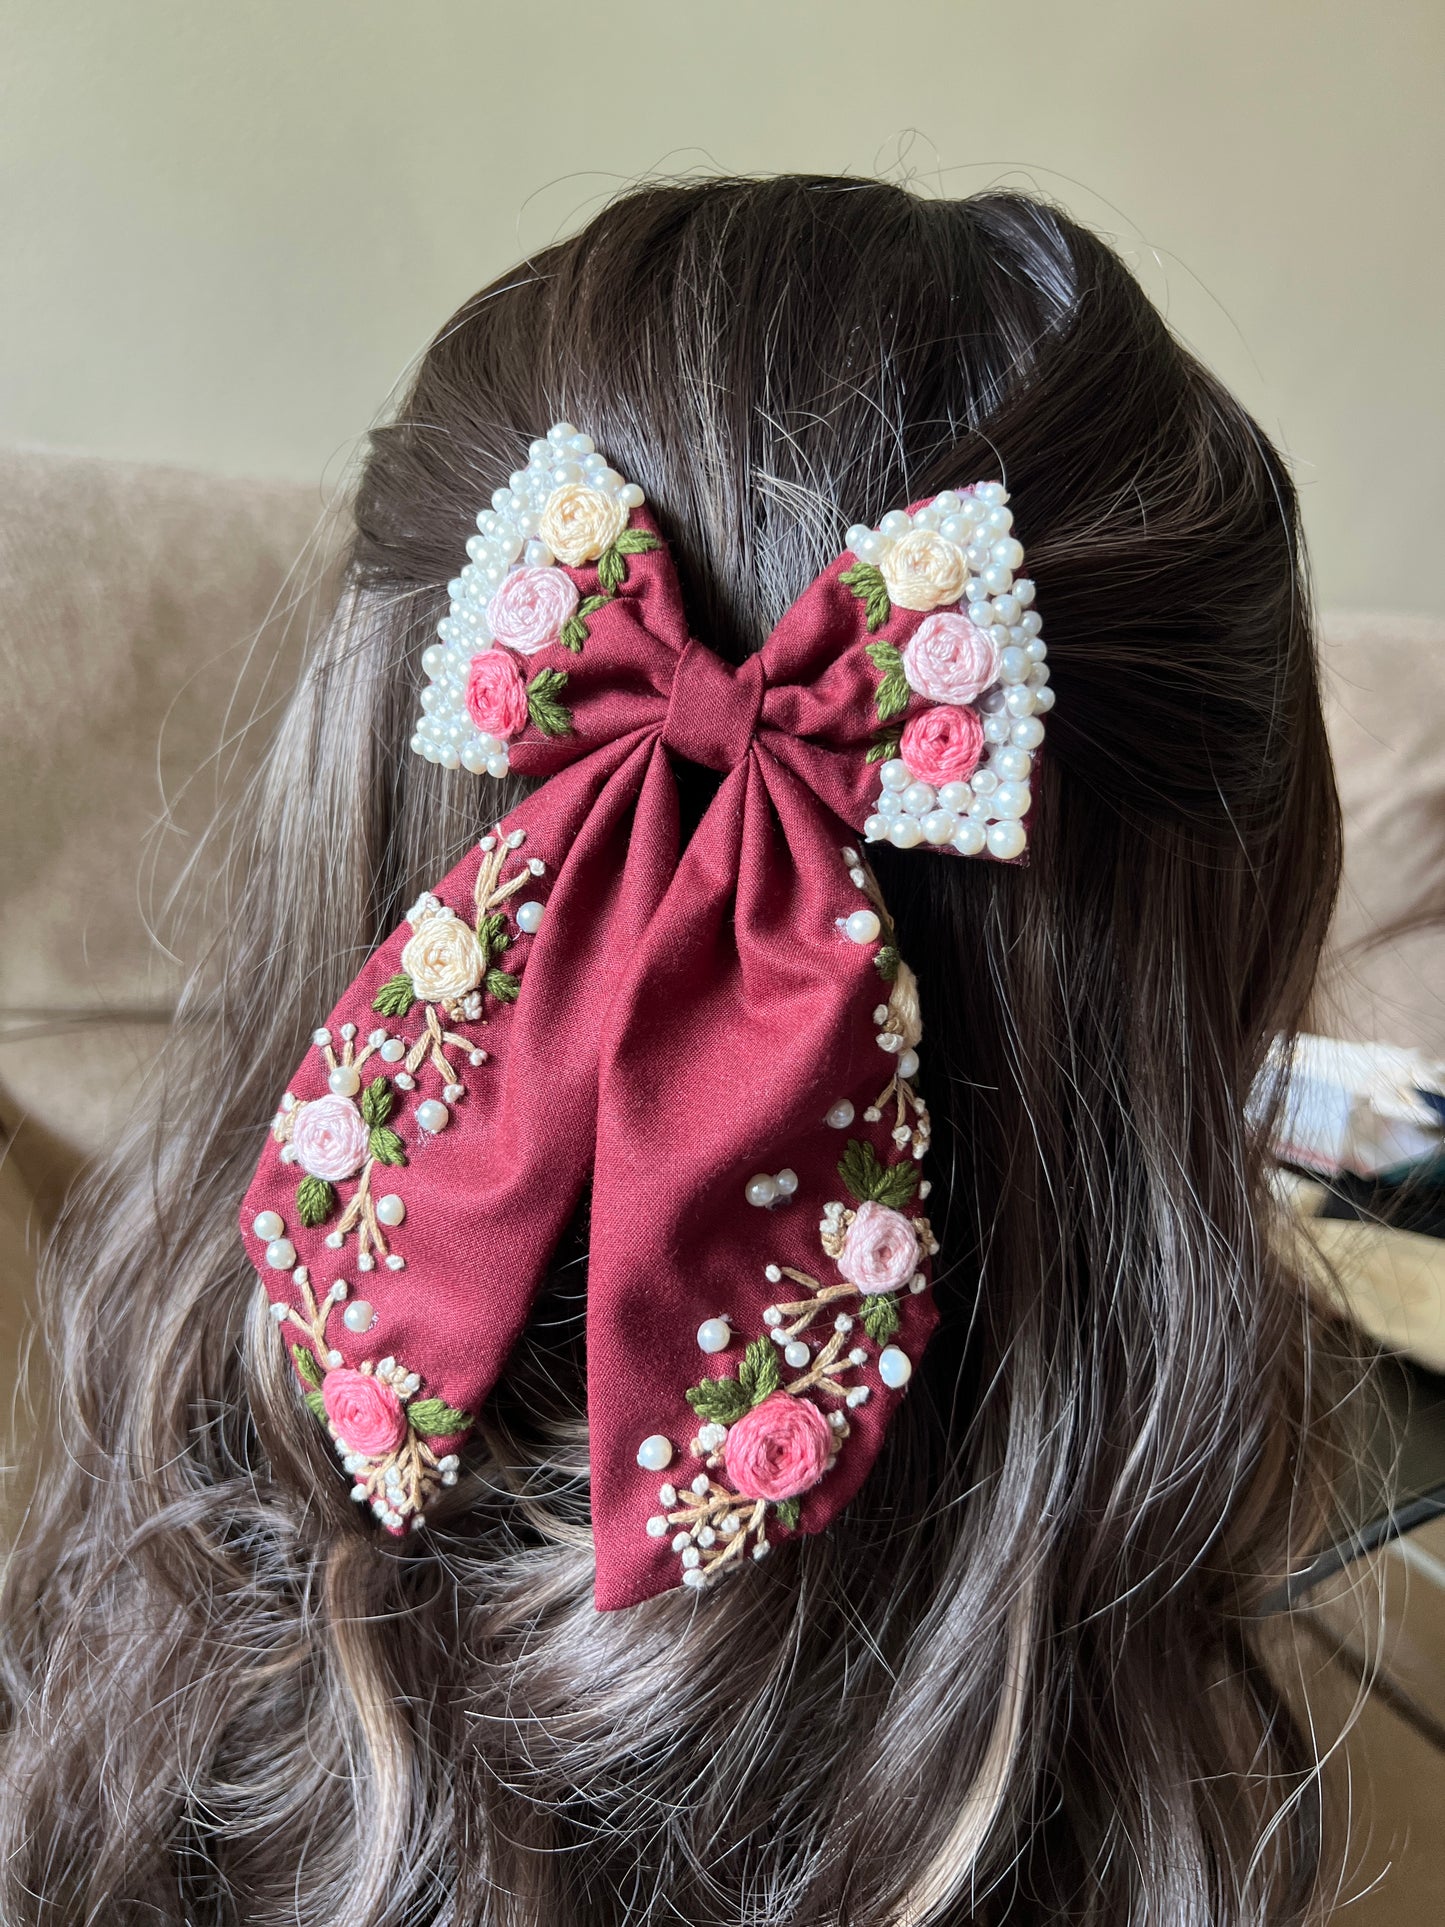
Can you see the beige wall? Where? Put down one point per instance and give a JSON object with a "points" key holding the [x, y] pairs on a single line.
{"points": [[226, 228]]}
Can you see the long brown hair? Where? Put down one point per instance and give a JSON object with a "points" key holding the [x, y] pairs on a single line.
{"points": [[1017, 1680]]}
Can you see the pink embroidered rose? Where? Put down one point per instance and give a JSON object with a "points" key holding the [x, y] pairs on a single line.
{"points": [[496, 695], [329, 1138], [949, 660], [778, 1449], [366, 1414], [579, 522], [880, 1251], [923, 569], [529, 607], [943, 745]]}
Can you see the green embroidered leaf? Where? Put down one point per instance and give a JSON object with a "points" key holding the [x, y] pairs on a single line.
{"points": [[883, 749], [718, 1401], [317, 1404], [573, 634], [396, 996], [866, 582], [551, 716], [885, 657], [886, 961], [892, 697], [787, 1511], [611, 569], [308, 1365], [590, 604], [386, 1147], [493, 936], [880, 1316], [315, 1201], [376, 1102], [760, 1374], [899, 1183], [636, 542], [860, 1169], [433, 1418], [502, 985]]}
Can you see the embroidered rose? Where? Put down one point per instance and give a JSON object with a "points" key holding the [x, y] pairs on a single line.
{"points": [[329, 1138], [442, 957], [923, 569], [880, 1252], [905, 1015], [950, 660], [529, 607], [366, 1414], [496, 695], [778, 1449], [943, 744], [578, 522]]}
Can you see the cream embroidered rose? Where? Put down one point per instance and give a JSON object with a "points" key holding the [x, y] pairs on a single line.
{"points": [[943, 744], [578, 522], [529, 607], [778, 1449], [924, 569], [905, 1014], [496, 696], [329, 1138], [442, 957], [950, 660], [367, 1416], [880, 1252]]}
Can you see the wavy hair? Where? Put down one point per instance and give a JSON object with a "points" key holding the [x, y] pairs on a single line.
{"points": [[1019, 1679]]}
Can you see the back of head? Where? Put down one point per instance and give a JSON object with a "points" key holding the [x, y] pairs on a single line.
{"points": [[1014, 1680]]}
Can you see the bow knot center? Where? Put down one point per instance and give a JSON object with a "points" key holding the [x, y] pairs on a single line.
{"points": [[713, 709]]}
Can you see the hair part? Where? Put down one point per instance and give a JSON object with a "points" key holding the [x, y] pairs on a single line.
{"points": [[1017, 1677]]}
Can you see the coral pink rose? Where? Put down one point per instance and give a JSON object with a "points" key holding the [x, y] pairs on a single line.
{"points": [[366, 1414], [529, 608], [778, 1449], [880, 1251], [329, 1138], [950, 660], [496, 695], [943, 745]]}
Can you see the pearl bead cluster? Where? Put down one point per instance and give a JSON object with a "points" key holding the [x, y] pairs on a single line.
{"points": [[983, 816], [507, 534]]}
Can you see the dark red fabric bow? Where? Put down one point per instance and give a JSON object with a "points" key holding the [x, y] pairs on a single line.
{"points": [[721, 1037]]}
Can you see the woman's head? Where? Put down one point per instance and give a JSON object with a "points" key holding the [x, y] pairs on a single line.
{"points": [[1016, 1672]]}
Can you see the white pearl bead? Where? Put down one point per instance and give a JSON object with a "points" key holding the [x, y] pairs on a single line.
{"points": [[969, 839], [280, 1254], [875, 829], [498, 765], [985, 782], [1024, 590], [1013, 764], [1009, 552], [714, 1335], [995, 729], [997, 579], [529, 916], [797, 1354], [654, 1453], [904, 832], [895, 523], [1012, 799], [918, 799], [474, 759], [632, 496], [1013, 665], [359, 1316], [761, 1190], [939, 825], [855, 535], [393, 1050], [391, 1209], [268, 1225], [908, 1064], [862, 927], [1020, 700], [345, 1080], [895, 1367], [1027, 733], [787, 1182], [1006, 609], [1043, 701], [1006, 840], [432, 1116], [895, 774], [841, 1115], [946, 501], [954, 796], [890, 804]]}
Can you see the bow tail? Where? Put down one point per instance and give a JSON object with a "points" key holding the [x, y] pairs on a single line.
{"points": [[758, 1285], [436, 1138]]}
